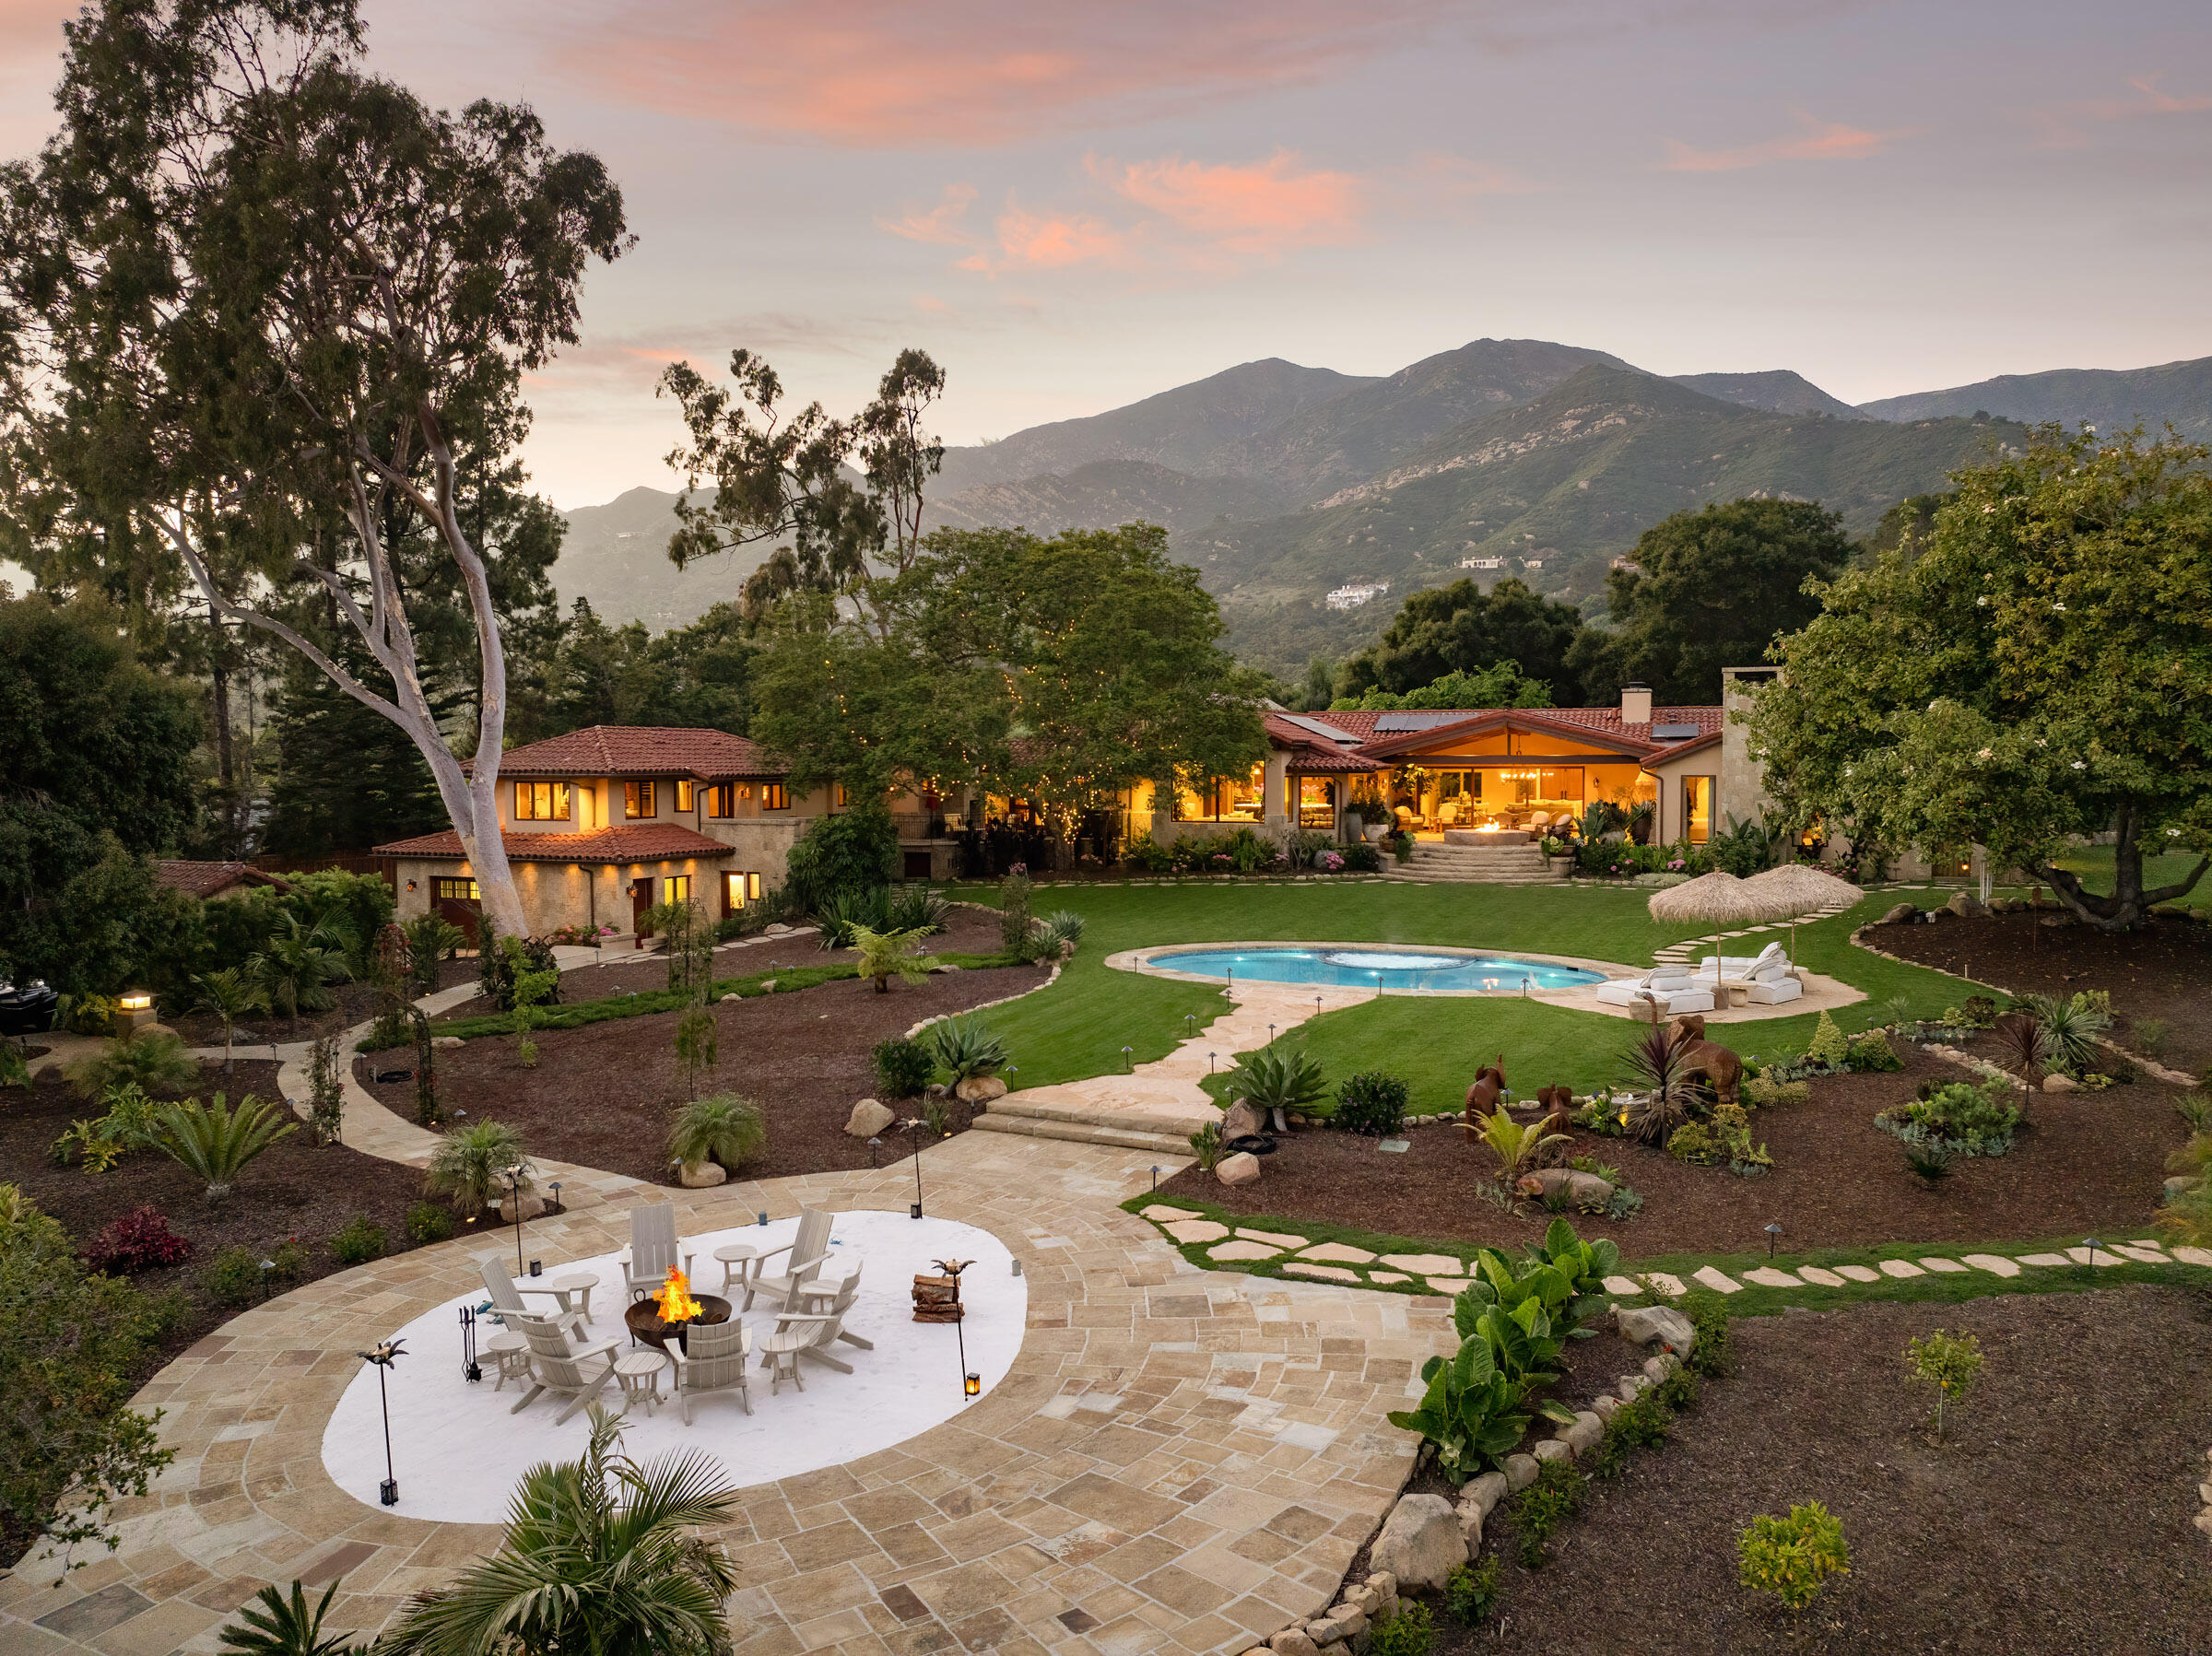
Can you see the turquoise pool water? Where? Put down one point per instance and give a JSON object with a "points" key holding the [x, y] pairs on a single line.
{"points": [[1376, 967]]}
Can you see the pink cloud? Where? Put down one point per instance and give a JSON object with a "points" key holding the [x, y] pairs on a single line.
{"points": [[969, 71], [1054, 241], [2061, 128], [1258, 210], [941, 223], [1814, 141]]}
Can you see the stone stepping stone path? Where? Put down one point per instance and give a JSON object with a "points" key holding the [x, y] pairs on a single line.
{"points": [[1447, 1273]]}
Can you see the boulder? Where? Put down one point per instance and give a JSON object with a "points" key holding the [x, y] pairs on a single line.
{"points": [[869, 1119], [1485, 1491], [1520, 1471], [1604, 1405], [1421, 1542], [2056, 1082], [1583, 1435], [1656, 1324], [447, 1043], [1554, 1449], [530, 1201], [1241, 1169], [1242, 1121], [1898, 915], [1293, 1641], [1340, 1626], [1967, 906], [1470, 1525], [979, 1089], [1632, 1386], [700, 1175], [1657, 1368]]}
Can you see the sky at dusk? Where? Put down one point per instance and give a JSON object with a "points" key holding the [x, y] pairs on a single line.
{"points": [[1072, 207]]}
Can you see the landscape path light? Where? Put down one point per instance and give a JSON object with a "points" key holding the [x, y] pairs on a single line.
{"points": [[1128, 1065], [913, 1126], [1772, 1231], [875, 1144], [514, 1200], [382, 1356]]}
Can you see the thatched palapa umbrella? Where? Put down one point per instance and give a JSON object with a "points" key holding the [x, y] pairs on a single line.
{"points": [[1795, 889], [1720, 900]]}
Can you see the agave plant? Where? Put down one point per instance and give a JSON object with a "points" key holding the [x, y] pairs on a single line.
{"points": [[917, 909], [722, 1128], [284, 1626], [967, 1049], [470, 1165], [1062, 931], [1660, 1071], [1516, 1147], [604, 1554], [1469, 1415], [214, 1141], [2072, 1027], [886, 954], [838, 913], [1278, 1079]]}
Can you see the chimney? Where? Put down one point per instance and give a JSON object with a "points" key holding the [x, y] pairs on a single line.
{"points": [[1635, 704]]}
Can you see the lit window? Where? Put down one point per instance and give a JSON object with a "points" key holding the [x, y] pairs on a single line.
{"points": [[541, 802], [844, 801], [775, 796], [637, 800], [679, 889], [683, 794], [1225, 799], [453, 891]]}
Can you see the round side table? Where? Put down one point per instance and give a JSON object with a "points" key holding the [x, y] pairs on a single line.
{"points": [[511, 1353], [737, 1262], [638, 1375], [580, 1283]]}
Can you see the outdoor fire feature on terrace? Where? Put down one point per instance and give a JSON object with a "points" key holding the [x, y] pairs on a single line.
{"points": [[665, 1315]]}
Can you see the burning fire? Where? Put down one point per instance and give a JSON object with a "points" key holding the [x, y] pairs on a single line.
{"points": [[674, 1300]]}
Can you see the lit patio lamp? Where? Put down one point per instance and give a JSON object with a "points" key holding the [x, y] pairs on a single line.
{"points": [[134, 1011]]}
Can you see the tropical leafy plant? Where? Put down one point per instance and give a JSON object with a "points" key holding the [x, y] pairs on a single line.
{"points": [[1658, 1065], [216, 1142], [431, 939], [602, 1554], [2072, 1026], [228, 995], [283, 1626], [1584, 1265], [470, 1165], [885, 955], [295, 967], [722, 1128], [2025, 1044], [967, 1049], [917, 909], [140, 1241], [1469, 1415], [1516, 1147], [1278, 1079], [154, 1060], [1793, 1557], [1205, 1146]]}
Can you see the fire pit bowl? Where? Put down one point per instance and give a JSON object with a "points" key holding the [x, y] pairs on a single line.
{"points": [[643, 1321]]}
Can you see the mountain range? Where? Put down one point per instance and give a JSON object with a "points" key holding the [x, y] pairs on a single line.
{"points": [[1282, 483]]}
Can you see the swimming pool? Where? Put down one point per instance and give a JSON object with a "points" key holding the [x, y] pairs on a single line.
{"points": [[1375, 966]]}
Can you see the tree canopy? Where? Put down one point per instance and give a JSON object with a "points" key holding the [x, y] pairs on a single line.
{"points": [[1056, 670], [1500, 686], [1463, 628], [2039, 670], [1712, 588]]}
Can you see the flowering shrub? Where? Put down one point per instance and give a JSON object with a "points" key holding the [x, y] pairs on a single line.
{"points": [[1328, 862], [1675, 865], [579, 938], [140, 1241]]}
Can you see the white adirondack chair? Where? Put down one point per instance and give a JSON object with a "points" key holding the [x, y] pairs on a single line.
{"points": [[713, 1362], [807, 1252], [653, 1248], [508, 1301], [835, 1299], [575, 1372], [798, 1334]]}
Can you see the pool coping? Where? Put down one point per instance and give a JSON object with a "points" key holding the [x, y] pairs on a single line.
{"points": [[1142, 961]]}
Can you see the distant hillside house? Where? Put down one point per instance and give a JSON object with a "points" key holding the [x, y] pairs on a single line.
{"points": [[602, 825], [1628, 565], [1352, 597], [1532, 564], [1482, 563]]}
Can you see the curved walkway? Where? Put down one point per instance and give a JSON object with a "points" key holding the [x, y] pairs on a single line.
{"points": [[1178, 1460]]}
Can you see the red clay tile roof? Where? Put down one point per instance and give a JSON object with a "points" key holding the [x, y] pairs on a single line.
{"points": [[206, 880], [640, 750], [633, 843], [1603, 722], [1310, 753]]}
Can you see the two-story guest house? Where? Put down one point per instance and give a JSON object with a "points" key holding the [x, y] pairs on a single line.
{"points": [[601, 824]]}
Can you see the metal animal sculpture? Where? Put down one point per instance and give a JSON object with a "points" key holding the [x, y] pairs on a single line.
{"points": [[1720, 1068]]}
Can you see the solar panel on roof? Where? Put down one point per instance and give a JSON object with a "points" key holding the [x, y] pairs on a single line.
{"points": [[1673, 732], [1317, 727], [1399, 723]]}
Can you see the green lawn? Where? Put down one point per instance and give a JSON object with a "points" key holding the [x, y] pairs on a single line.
{"points": [[1078, 1026]]}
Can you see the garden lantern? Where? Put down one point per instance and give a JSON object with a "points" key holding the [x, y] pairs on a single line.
{"points": [[134, 1011], [1772, 1231], [913, 1126], [470, 1368], [382, 1356], [874, 1146], [974, 1387]]}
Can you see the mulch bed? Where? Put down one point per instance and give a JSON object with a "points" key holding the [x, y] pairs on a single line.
{"points": [[2163, 969], [2056, 1521], [602, 1095], [294, 1188], [354, 1003], [2085, 1162]]}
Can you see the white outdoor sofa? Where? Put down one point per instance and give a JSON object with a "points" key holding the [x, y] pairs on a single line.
{"points": [[1671, 987], [1771, 978]]}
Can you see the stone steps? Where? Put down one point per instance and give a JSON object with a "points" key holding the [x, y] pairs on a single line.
{"points": [[1081, 1132], [1475, 864]]}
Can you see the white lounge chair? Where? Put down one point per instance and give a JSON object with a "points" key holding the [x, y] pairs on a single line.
{"points": [[834, 1299], [1671, 988], [710, 1357], [575, 1372], [807, 1251], [1772, 978], [514, 1311], [652, 1250]]}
